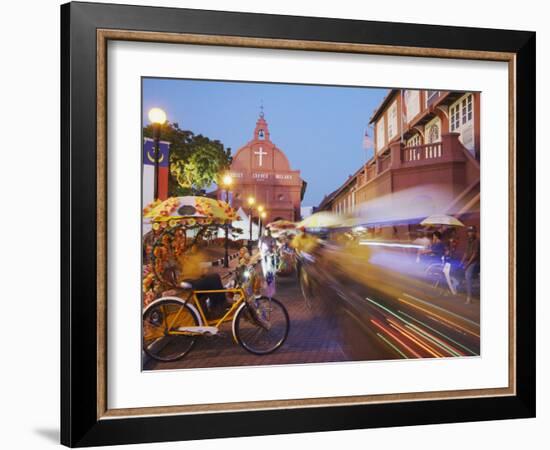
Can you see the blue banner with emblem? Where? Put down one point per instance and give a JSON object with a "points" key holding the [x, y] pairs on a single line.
{"points": [[149, 153], [226, 196]]}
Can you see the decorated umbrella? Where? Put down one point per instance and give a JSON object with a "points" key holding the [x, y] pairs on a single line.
{"points": [[350, 222], [442, 219], [323, 219], [189, 211], [281, 225], [195, 215], [287, 232]]}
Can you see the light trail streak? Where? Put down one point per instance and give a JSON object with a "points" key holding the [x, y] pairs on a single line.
{"points": [[379, 325], [389, 244], [440, 333], [426, 335], [438, 342], [392, 346], [439, 317], [446, 324], [458, 316], [385, 309], [393, 314], [415, 339]]}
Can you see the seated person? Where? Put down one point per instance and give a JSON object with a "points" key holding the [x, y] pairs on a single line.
{"points": [[242, 263], [244, 257], [436, 250], [192, 270]]}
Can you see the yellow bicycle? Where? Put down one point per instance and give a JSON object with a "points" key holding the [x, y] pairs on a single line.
{"points": [[172, 324]]}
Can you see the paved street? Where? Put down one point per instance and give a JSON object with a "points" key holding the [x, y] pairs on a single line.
{"points": [[352, 320], [314, 337], [388, 256]]}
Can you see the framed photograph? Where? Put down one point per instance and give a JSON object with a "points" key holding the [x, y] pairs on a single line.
{"points": [[276, 224]]}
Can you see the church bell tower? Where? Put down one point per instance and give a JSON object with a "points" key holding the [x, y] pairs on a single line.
{"points": [[262, 171]]}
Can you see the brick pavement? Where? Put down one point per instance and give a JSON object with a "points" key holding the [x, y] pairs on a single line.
{"points": [[330, 332]]}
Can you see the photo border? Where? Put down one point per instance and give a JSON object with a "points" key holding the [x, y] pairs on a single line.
{"points": [[86, 29]]}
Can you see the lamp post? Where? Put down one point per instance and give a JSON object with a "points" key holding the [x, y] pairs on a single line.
{"points": [[251, 201], [226, 182], [157, 117]]}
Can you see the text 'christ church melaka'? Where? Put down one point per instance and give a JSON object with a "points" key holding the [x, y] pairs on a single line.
{"points": [[261, 170]]}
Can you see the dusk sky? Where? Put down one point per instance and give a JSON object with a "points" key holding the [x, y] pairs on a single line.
{"points": [[320, 128]]}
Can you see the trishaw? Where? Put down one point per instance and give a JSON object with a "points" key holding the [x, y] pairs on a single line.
{"points": [[176, 313]]}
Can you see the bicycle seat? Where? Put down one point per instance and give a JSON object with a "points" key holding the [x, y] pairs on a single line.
{"points": [[186, 285]]}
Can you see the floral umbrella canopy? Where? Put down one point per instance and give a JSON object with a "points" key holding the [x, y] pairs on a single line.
{"points": [[281, 225], [189, 211], [323, 219]]}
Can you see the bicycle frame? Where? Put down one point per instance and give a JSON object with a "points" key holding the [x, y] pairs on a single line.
{"points": [[190, 307], [228, 316]]}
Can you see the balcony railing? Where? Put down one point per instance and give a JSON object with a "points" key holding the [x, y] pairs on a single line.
{"points": [[384, 164], [371, 172], [450, 149], [422, 152]]}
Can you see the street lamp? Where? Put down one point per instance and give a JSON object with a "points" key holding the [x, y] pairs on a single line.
{"points": [[226, 182], [251, 201], [157, 117]]}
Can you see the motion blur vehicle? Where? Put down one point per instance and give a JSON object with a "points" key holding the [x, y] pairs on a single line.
{"points": [[383, 295]]}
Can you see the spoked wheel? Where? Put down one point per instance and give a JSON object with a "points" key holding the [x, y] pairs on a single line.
{"points": [[162, 318], [262, 326], [434, 275]]}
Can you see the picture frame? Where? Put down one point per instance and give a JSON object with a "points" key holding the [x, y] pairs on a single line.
{"points": [[86, 28]]}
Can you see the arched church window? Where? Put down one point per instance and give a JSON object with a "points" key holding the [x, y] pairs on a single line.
{"points": [[281, 197], [261, 134]]}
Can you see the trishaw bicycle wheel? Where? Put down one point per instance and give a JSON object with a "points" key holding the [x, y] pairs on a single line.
{"points": [[161, 321], [262, 325]]}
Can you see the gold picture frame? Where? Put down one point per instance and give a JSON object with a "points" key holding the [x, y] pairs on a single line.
{"points": [[89, 17]]}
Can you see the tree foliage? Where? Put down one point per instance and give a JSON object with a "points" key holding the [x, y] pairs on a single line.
{"points": [[195, 160]]}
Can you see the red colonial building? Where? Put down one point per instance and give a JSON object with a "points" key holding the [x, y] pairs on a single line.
{"points": [[261, 170], [421, 138]]}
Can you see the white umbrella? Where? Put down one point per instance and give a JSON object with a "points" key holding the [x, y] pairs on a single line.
{"points": [[322, 219], [442, 219], [244, 226]]}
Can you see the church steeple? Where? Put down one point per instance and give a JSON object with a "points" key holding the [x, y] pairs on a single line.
{"points": [[261, 132], [260, 169]]}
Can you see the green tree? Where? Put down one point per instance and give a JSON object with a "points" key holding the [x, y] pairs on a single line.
{"points": [[195, 160]]}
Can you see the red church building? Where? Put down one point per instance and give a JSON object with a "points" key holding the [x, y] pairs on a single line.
{"points": [[261, 170]]}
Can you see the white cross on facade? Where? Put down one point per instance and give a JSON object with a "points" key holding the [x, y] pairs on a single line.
{"points": [[261, 154]]}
